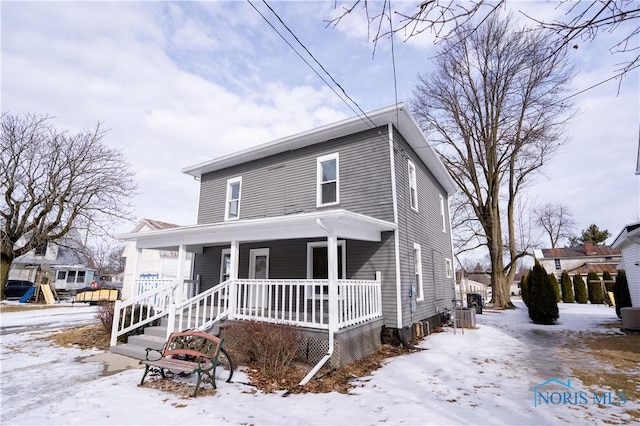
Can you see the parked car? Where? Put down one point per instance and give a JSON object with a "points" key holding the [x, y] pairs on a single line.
{"points": [[15, 289]]}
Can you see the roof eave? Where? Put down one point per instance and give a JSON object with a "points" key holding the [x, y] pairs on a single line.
{"points": [[398, 115]]}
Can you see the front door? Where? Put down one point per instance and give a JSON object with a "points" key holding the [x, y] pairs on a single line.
{"points": [[318, 264], [258, 270]]}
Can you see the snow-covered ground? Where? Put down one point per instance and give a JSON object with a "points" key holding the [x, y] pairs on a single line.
{"points": [[488, 375]]}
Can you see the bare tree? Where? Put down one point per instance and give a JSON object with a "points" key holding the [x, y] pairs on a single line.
{"points": [[491, 109], [583, 21], [55, 182], [556, 221], [105, 257]]}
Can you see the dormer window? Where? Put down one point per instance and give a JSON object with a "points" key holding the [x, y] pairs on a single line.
{"points": [[232, 207]]}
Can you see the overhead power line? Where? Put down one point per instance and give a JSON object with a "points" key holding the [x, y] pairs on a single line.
{"points": [[354, 105]]}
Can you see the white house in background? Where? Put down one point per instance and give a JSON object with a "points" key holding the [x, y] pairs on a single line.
{"points": [[581, 260], [628, 241], [54, 263], [152, 264]]}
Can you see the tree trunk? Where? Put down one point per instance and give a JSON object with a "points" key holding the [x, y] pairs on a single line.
{"points": [[5, 264]]}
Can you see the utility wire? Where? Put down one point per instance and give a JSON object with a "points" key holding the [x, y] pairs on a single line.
{"points": [[362, 113], [393, 63]]}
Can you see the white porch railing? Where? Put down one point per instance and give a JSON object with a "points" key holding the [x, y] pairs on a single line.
{"points": [[296, 302], [142, 309], [167, 300], [305, 302]]}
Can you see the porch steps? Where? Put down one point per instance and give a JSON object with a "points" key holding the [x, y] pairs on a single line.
{"points": [[153, 337]]}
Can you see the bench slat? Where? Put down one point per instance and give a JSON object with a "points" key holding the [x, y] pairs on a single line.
{"points": [[204, 347]]}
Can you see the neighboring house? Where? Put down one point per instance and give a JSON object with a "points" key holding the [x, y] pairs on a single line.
{"points": [[151, 264], [343, 229], [56, 264], [581, 260], [473, 282], [628, 242]]}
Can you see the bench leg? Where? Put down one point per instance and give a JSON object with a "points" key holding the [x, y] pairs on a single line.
{"points": [[211, 378], [146, 370]]}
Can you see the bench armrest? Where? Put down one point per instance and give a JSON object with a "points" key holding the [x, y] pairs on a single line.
{"points": [[153, 350]]}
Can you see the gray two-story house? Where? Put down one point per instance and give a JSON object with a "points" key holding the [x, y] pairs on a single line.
{"points": [[342, 230]]}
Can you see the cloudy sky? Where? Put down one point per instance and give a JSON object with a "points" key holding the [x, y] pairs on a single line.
{"points": [[178, 83]]}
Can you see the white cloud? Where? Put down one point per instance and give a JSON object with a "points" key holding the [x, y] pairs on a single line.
{"points": [[183, 82]]}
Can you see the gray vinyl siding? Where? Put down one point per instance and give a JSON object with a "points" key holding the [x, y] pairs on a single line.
{"points": [[364, 259], [425, 228], [286, 183], [288, 260]]}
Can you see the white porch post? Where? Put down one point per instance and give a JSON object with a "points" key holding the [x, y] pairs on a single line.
{"points": [[332, 259], [184, 291], [233, 276], [134, 286]]}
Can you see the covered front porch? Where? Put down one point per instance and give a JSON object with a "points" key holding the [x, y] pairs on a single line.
{"points": [[330, 303]]}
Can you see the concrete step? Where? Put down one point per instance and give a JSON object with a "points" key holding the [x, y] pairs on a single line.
{"points": [[156, 330], [147, 341], [132, 351]]}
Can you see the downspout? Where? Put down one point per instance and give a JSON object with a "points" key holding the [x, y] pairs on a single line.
{"points": [[332, 312], [396, 232]]}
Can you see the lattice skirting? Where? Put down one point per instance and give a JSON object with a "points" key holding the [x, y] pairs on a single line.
{"points": [[349, 345]]}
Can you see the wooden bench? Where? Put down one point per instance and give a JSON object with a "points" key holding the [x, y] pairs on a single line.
{"points": [[186, 352]]}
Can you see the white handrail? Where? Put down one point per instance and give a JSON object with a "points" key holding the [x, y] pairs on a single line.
{"points": [[202, 311], [296, 302], [152, 305]]}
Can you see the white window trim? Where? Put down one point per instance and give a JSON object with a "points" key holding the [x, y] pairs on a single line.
{"points": [[228, 198], [310, 246], [413, 184], [442, 213], [319, 160], [417, 253], [224, 252], [253, 253], [448, 268]]}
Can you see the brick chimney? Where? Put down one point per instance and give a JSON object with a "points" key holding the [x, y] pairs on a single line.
{"points": [[588, 247]]}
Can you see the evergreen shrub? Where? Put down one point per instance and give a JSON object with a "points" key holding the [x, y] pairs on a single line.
{"points": [[543, 308], [621, 292], [567, 288], [580, 289], [594, 286], [556, 287]]}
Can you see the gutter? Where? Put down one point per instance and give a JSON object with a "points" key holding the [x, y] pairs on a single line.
{"points": [[324, 360]]}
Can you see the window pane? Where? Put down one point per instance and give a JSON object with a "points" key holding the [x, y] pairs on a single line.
{"points": [[328, 193], [233, 208], [328, 170], [235, 190], [227, 266], [261, 267], [62, 275], [81, 275], [71, 277]]}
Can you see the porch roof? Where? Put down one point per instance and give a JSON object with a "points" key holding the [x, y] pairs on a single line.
{"points": [[339, 222]]}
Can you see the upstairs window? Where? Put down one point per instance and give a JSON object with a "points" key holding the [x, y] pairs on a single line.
{"points": [[443, 215], [557, 262], [417, 266], [448, 268], [232, 208], [328, 188], [413, 186], [41, 249]]}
